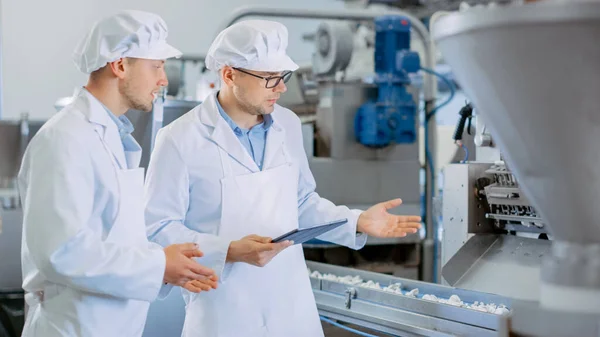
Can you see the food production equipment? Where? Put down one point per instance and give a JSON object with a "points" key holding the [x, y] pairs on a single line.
{"points": [[545, 187], [367, 132], [520, 221], [520, 243]]}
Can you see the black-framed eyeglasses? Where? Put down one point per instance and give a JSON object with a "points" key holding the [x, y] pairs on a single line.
{"points": [[272, 81]]}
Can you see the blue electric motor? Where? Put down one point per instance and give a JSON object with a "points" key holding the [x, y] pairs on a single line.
{"points": [[392, 117]]}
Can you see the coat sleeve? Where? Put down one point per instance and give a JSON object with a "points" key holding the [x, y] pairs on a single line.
{"points": [[58, 189], [167, 198], [314, 210]]}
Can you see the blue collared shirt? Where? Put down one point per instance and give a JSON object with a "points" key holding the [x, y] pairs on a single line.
{"points": [[253, 139], [125, 129]]}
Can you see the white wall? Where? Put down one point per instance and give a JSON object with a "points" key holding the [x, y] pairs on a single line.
{"points": [[38, 37]]}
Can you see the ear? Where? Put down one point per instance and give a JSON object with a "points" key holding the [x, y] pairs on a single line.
{"points": [[227, 75], [118, 68]]}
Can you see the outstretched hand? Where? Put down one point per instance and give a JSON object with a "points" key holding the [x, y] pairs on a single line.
{"points": [[377, 222]]}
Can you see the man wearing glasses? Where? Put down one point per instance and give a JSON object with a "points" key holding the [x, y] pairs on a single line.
{"points": [[230, 175]]}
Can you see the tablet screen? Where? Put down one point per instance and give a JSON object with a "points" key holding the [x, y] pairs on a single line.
{"points": [[306, 234]]}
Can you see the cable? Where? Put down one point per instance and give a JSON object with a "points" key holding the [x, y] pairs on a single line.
{"points": [[466, 153], [360, 333], [434, 110], [450, 86], [466, 115]]}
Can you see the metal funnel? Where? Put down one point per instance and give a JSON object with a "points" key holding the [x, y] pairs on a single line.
{"points": [[533, 73]]}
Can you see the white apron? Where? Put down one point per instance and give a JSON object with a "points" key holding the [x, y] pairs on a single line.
{"points": [[62, 311], [275, 300]]}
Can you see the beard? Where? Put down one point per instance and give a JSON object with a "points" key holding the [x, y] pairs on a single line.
{"points": [[133, 98], [243, 102]]}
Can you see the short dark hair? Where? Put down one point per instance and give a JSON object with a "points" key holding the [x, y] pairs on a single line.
{"points": [[95, 75]]}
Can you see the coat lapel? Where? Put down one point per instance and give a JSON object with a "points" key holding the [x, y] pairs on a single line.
{"points": [[98, 115], [223, 135]]}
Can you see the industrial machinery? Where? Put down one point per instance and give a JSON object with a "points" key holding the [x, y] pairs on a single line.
{"points": [[366, 131], [521, 100], [490, 228], [391, 118], [519, 242], [519, 222], [403, 307]]}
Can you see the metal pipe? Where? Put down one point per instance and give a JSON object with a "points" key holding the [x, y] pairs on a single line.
{"points": [[429, 89]]}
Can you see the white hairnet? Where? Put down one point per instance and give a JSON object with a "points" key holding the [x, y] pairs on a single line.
{"points": [[129, 33], [258, 45]]}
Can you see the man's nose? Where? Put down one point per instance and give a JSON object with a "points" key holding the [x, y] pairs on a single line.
{"points": [[280, 87], [163, 81]]}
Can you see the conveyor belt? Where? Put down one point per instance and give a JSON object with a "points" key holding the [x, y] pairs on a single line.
{"points": [[403, 315]]}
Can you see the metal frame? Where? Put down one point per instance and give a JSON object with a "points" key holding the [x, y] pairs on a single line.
{"points": [[392, 320]]}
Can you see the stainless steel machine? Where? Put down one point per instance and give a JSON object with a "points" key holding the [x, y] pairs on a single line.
{"points": [[542, 117]]}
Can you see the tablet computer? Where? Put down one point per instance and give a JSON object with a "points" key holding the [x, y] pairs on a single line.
{"points": [[306, 234]]}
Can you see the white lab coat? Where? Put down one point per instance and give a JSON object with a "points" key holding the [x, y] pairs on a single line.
{"points": [[202, 185], [88, 267]]}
